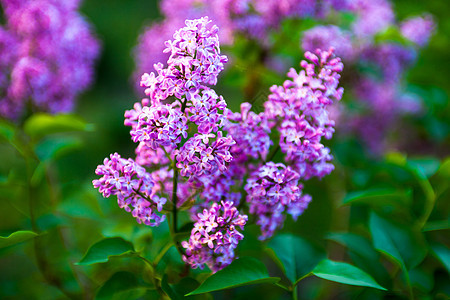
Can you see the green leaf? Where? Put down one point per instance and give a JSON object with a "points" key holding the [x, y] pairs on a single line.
{"points": [[444, 170], [41, 124], [119, 283], [344, 273], [16, 237], [443, 253], [404, 245], [437, 225], [242, 271], [7, 130], [379, 197], [297, 256], [177, 291], [428, 166], [356, 243], [421, 279], [168, 289], [103, 249], [38, 174], [363, 255], [52, 148]]}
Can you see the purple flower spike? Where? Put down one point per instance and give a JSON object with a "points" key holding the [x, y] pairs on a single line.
{"points": [[133, 187], [194, 61], [300, 108], [272, 190], [214, 237]]}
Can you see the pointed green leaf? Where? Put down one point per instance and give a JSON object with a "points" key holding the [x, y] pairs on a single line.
{"points": [[42, 124], [379, 197], [443, 253], [355, 243], [52, 148], [404, 245], [363, 255], [178, 290], [421, 279], [168, 289], [428, 165], [103, 249], [16, 237], [444, 170], [119, 283], [437, 225], [243, 271], [297, 256], [344, 273]]}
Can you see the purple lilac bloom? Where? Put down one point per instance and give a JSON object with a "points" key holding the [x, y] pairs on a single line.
{"points": [[222, 185], [194, 63], [418, 29], [250, 131], [160, 125], [324, 37], [214, 237], [163, 178], [149, 50], [391, 58], [133, 187], [373, 16], [272, 190], [200, 156], [50, 53], [382, 105], [299, 110], [148, 157]]}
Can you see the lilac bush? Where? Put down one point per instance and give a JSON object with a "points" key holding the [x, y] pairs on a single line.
{"points": [[194, 152], [47, 55]]}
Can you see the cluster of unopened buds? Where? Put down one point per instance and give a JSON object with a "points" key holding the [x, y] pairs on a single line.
{"points": [[194, 152]]}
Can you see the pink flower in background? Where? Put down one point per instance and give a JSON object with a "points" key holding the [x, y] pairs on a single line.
{"points": [[49, 51]]}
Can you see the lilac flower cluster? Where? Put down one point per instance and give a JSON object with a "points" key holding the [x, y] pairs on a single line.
{"points": [[178, 131], [198, 157], [160, 125], [298, 108], [418, 29], [185, 128], [272, 190], [251, 132], [133, 187], [47, 53], [326, 36], [214, 237], [194, 60], [373, 16]]}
